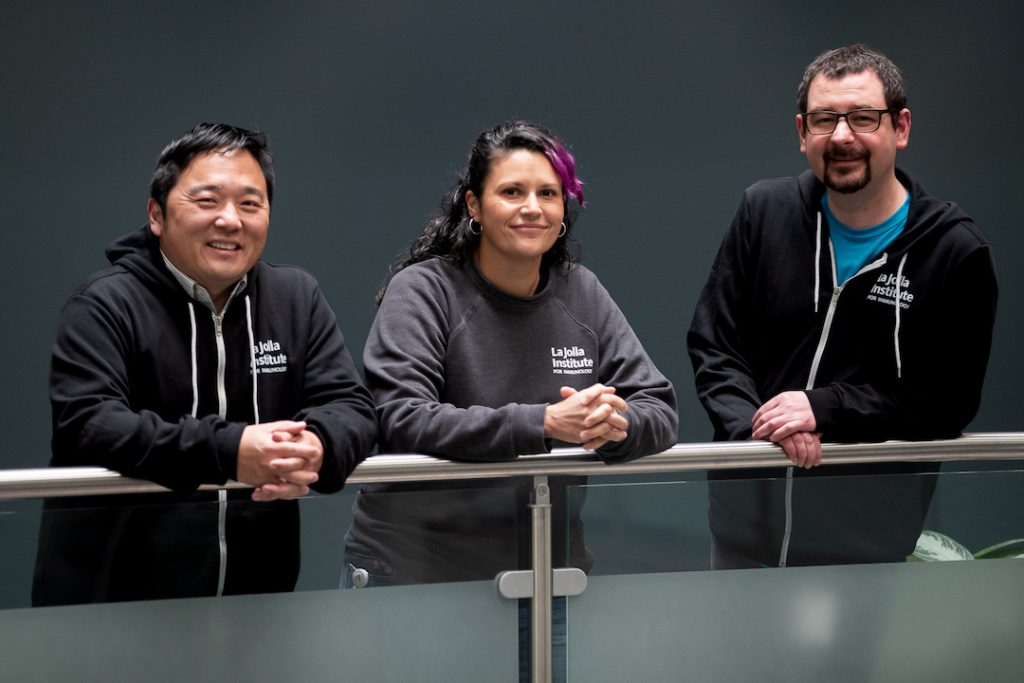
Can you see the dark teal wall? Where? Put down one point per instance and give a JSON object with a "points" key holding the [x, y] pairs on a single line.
{"points": [[671, 109]]}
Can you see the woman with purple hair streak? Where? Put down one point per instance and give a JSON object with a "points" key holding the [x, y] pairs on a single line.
{"points": [[491, 341]]}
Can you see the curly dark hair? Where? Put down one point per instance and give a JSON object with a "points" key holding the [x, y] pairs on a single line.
{"points": [[447, 234]]}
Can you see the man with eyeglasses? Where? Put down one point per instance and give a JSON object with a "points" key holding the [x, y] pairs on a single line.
{"points": [[846, 304]]}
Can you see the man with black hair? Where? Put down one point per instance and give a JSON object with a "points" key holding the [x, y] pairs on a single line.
{"points": [[192, 361]]}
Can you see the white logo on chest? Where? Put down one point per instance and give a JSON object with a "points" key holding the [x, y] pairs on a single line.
{"points": [[570, 360], [269, 357], [884, 291]]}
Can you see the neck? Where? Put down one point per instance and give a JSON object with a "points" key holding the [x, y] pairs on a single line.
{"points": [[517, 279], [868, 207]]}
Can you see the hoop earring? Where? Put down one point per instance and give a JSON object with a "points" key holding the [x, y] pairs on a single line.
{"points": [[561, 233], [477, 231]]}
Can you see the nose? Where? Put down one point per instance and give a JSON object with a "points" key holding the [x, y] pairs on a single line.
{"points": [[843, 130], [229, 216], [531, 206]]}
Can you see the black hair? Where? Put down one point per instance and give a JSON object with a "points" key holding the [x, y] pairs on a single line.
{"points": [[208, 137], [448, 235]]}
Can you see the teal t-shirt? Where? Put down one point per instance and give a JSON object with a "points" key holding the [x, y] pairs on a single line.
{"points": [[854, 247]]}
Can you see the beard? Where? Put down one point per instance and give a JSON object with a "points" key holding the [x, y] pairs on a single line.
{"points": [[847, 183]]}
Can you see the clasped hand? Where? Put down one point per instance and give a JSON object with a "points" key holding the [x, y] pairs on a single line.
{"points": [[281, 459], [590, 417], [787, 420]]}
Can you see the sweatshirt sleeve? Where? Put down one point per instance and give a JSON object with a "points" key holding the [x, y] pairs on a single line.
{"points": [[720, 357], [943, 367], [336, 405], [405, 358], [625, 365], [95, 423]]}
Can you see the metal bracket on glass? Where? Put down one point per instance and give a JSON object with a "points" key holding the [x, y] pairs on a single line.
{"points": [[567, 581]]}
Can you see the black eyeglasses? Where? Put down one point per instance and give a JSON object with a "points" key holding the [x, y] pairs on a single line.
{"points": [[859, 120]]}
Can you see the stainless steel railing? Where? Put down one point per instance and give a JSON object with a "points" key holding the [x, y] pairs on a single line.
{"points": [[50, 482], [75, 481]]}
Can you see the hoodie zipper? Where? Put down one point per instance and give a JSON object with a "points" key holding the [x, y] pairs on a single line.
{"points": [[819, 351], [222, 494]]}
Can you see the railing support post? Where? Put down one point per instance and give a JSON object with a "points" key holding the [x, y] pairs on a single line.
{"points": [[540, 626]]}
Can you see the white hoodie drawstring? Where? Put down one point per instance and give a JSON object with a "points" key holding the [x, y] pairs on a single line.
{"points": [[896, 331], [252, 360], [817, 262], [195, 369]]}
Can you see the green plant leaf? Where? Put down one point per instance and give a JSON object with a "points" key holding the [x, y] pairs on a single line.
{"points": [[935, 547], [1012, 548]]}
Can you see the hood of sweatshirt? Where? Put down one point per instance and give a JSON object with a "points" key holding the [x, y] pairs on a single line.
{"points": [[139, 253], [929, 217]]}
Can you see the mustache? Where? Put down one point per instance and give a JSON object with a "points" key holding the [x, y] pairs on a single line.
{"points": [[846, 153]]}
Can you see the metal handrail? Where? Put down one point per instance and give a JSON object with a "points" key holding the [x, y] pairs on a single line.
{"points": [[77, 481]]}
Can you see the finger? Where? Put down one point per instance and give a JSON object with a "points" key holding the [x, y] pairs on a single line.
{"points": [[762, 417], [595, 432], [614, 421], [792, 451], [776, 427], [618, 421], [566, 392], [616, 435], [589, 394], [807, 450], [282, 435], [298, 477], [282, 465], [815, 451], [616, 402], [786, 429], [269, 492], [598, 415], [291, 449], [604, 432], [763, 430], [291, 426], [594, 444]]}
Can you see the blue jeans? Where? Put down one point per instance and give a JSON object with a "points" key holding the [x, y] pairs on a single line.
{"points": [[559, 641]]}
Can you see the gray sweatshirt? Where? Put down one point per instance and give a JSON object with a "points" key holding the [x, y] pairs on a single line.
{"points": [[462, 370]]}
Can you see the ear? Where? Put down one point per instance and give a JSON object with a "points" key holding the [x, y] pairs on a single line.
{"points": [[801, 133], [156, 217], [473, 205], [903, 129]]}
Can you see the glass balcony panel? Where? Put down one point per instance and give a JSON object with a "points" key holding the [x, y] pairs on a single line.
{"points": [[440, 632], [901, 620], [456, 631]]}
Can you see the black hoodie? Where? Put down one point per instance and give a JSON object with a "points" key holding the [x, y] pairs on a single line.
{"points": [[771, 318], [136, 387]]}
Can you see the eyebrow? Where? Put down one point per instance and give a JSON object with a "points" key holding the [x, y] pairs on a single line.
{"points": [[213, 187], [854, 108]]}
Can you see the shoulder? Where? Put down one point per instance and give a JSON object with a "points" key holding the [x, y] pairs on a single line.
{"points": [[580, 290], [283, 275], [575, 275], [430, 278], [947, 220], [793, 190], [113, 286], [284, 287]]}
